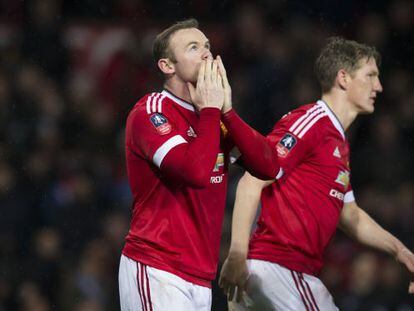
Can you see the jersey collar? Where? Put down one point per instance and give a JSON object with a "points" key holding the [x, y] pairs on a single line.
{"points": [[332, 117], [177, 100]]}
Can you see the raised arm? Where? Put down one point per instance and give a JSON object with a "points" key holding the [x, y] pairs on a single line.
{"points": [[234, 271], [208, 97], [259, 157], [357, 224]]}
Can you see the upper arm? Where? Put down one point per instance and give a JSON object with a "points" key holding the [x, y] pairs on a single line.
{"points": [[250, 183], [152, 135]]}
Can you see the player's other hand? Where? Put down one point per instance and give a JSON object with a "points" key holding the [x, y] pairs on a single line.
{"points": [[226, 85], [234, 274], [209, 91], [406, 258]]}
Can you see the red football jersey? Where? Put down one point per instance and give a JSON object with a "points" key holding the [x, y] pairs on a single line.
{"points": [[175, 227], [300, 211]]}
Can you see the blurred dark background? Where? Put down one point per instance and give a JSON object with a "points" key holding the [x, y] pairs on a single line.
{"points": [[71, 70]]}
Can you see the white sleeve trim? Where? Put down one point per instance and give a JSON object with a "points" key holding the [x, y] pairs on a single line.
{"points": [[280, 173], [162, 151], [349, 197]]}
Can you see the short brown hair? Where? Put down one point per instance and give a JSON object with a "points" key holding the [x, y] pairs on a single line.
{"points": [[161, 47], [338, 54]]}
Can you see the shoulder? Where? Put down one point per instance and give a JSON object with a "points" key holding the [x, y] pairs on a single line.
{"points": [[304, 120], [151, 104]]}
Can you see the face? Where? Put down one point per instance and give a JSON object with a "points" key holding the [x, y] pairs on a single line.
{"points": [[190, 47], [364, 86]]}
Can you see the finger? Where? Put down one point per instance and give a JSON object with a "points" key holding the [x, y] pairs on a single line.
{"points": [[222, 71], [201, 72], [225, 289], [220, 81], [221, 281], [214, 72], [207, 74], [411, 288], [230, 293], [239, 295]]}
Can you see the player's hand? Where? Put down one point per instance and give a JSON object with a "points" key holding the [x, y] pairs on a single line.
{"points": [[209, 91], [234, 274], [406, 258], [226, 85]]}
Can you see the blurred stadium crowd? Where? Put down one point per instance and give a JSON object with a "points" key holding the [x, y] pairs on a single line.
{"points": [[71, 70]]}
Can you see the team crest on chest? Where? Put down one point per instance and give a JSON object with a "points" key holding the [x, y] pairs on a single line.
{"points": [[343, 178], [285, 145], [219, 162], [160, 123]]}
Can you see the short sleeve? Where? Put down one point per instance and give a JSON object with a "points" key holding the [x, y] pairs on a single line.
{"points": [[349, 194], [152, 135]]}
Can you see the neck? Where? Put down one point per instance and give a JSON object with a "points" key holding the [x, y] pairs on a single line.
{"points": [[178, 88], [341, 108]]}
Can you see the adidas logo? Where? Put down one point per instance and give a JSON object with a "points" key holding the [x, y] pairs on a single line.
{"points": [[336, 153]]}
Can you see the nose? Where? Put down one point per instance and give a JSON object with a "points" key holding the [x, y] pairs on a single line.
{"points": [[207, 54], [378, 86]]}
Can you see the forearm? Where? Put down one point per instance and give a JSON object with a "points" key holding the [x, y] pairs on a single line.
{"points": [[244, 213], [193, 162], [362, 228], [259, 158]]}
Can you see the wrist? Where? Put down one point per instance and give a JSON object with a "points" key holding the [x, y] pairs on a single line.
{"points": [[238, 253], [227, 109], [228, 115], [210, 111]]}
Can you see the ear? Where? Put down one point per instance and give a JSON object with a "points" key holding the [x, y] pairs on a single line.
{"points": [[343, 79], [166, 66]]}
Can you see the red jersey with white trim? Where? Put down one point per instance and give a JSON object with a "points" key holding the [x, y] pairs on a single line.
{"points": [[175, 226], [300, 211]]}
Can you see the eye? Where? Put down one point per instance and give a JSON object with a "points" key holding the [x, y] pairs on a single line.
{"points": [[193, 47]]}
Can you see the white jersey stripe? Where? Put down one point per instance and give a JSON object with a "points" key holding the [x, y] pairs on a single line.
{"points": [[149, 103], [280, 173], [154, 102], [162, 151], [321, 115], [349, 197], [298, 121], [308, 119], [160, 103]]}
